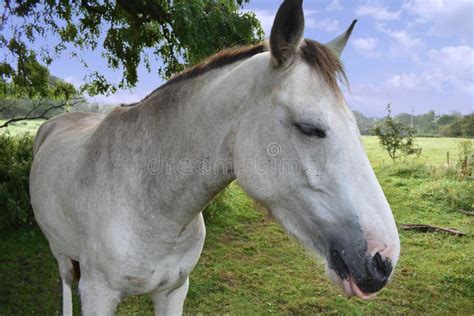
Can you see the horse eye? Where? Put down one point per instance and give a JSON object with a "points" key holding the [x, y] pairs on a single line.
{"points": [[310, 130]]}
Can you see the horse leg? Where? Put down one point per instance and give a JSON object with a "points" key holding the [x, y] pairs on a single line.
{"points": [[170, 303], [66, 271], [97, 299]]}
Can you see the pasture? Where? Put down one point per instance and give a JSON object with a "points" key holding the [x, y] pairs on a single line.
{"points": [[22, 127], [250, 266]]}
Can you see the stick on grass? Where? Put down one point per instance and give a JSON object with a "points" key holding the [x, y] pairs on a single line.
{"points": [[429, 228], [466, 212]]}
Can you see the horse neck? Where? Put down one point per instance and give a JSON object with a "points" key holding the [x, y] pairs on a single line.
{"points": [[191, 126]]}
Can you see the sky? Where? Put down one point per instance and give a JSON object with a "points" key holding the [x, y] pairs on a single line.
{"points": [[417, 55]]}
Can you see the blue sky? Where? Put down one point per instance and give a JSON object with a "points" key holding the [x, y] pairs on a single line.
{"points": [[413, 53]]}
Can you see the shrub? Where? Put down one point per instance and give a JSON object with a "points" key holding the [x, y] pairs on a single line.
{"points": [[465, 159], [453, 194], [414, 171], [16, 155], [462, 127], [396, 137]]}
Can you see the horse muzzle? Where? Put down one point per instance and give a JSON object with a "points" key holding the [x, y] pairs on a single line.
{"points": [[361, 279]]}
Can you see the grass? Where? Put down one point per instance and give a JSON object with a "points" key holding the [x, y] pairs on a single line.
{"points": [[434, 151], [250, 266], [22, 127]]}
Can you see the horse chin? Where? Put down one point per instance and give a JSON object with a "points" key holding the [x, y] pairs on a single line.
{"points": [[349, 286]]}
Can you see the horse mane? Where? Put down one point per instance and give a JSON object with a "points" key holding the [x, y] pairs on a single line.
{"points": [[326, 62], [320, 57], [221, 59]]}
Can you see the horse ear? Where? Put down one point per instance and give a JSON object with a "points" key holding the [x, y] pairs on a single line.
{"points": [[339, 43], [287, 31]]}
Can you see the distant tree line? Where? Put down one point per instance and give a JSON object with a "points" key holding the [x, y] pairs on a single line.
{"points": [[21, 107], [428, 124]]}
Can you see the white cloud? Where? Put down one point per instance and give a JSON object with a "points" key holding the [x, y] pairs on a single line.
{"points": [[309, 13], [444, 81], [407, 81], [377, 11], [74, 81], [452, 67], [439, 78], [327, 25], [120, 97], [366, 47], [455, 61], [447, 69], [335, 5], [403, 42], [267, 17], [445, 18]]}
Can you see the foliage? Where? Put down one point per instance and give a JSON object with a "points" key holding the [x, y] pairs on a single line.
{"points": [[465, 158], [16, 155], [88, 107], [21, 99], [463, 127], [396, 137], [452, 193], [414, 171], [28, 109], [126, 33], [365, 124], [425, 125]]}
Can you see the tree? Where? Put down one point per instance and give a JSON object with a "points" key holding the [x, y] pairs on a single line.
{"points": [[466, 158], [29, 103], [462, 127], [126, 33], [365, 124], [427, 123], [447, 119], [395, 137]]}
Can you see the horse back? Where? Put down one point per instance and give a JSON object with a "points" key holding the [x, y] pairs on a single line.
{"points": [[64, 124]]}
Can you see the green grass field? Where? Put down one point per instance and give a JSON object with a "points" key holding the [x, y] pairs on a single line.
{"points": [[434, 151], [22, 127], [249, 266]]}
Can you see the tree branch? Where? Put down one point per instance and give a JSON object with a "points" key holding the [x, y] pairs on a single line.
{"points": [[43, 114], [428, 229], [466, 212]]}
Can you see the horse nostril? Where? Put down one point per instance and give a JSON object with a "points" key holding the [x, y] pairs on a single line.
{"points": [[376, 275], [382, 268]]}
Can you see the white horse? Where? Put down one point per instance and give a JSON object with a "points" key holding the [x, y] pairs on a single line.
{"points": [[121, 195]]}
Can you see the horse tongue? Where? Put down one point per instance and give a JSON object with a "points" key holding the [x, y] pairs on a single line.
{"points": [[357, 291], [346, 285]]}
